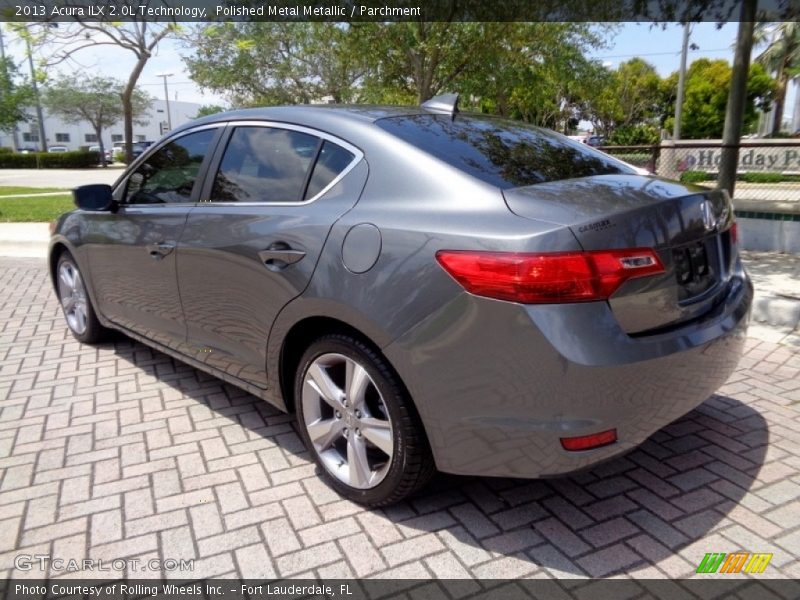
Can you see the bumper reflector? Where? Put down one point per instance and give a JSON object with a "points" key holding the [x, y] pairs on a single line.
{"points": [[589, 442]]}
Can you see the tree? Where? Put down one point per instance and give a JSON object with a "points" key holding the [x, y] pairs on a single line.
{"points": [[537, 72], [395, 63], [782, 57], [277, 63], [209, 109], [416, 60], [628, 99], [706, 97], [14, 97], [141, 37], [95, 100]]}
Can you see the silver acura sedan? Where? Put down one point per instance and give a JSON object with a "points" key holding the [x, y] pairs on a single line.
{"points": [[426, 289]]}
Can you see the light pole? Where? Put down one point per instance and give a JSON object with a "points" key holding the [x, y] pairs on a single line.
{"points": [[39, 115], [166, 97], [676, 129]]}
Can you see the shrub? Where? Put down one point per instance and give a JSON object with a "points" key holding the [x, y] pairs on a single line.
{"points": [[634, 158], [47, 160], [695, 176], [766, 177], [6, 150], [634, 135]]}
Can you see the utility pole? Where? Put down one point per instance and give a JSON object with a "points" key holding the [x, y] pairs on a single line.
{"points": [[14, 132], [166, 97], [35, 86], [734, 113], [676, 129]]}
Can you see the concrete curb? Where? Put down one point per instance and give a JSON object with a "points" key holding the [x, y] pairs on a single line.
{"points": [[24, 239], [777, 311]]}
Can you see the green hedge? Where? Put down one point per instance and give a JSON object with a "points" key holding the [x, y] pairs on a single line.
{"points": [[696, 176], [46, 160], [635, 158], [766, 177]]}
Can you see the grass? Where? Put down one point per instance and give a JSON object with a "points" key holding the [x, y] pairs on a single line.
{"points": [[9, 190], [34, 209]]}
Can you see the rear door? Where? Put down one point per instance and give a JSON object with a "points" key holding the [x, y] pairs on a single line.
{"points": [[132, 251], [252, 243]]}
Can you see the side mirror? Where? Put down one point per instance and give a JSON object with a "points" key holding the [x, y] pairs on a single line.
{"points": [[94, 197]]}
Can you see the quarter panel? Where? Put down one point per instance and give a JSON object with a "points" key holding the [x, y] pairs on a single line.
{"points": [[496, 390]]}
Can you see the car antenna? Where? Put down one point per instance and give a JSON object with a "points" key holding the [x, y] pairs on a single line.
{"points": [[445, 104]]}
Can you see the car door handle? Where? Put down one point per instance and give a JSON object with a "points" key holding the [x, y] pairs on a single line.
{"points": [[159, 250], [280, 255]]}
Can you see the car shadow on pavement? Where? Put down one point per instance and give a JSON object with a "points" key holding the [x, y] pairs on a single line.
{"points": [[659, 505]]}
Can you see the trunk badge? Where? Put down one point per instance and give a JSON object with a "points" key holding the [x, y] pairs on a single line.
{"points": [[707, 211]]}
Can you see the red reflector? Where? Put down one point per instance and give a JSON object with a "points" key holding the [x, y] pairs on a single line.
{"points": [[548, 277], [734, 233], [587, 442]]}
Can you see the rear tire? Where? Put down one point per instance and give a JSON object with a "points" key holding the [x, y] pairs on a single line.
{"points": [[359, 424], [76, 303]]}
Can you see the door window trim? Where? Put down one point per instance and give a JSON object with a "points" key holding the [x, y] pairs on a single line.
{"points": [[222, 146], [121, 185]]}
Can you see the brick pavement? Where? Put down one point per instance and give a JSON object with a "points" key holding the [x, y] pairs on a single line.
{"points": [[118, 451]]}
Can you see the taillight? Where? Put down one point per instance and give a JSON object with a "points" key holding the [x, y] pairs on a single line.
{"points": [[734, 233], [589, 442], [548, 277]]}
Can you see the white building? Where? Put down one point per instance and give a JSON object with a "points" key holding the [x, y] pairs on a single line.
{"points": [[82, 135]]}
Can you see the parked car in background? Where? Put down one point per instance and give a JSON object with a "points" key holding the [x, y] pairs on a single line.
{"points": [[596, 140], [109, 153], [425, 288], [57, 149], [137, 147]]}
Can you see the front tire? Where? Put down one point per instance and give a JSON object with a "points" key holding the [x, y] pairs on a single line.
{"points": [[76, 303], [359, 424]]}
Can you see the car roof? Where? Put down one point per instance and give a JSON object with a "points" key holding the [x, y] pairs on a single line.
{"points": [[334, 118], [360, 112]]}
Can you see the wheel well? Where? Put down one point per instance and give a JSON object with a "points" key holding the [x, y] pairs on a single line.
{"points": [[299, 338], [55, 254]]}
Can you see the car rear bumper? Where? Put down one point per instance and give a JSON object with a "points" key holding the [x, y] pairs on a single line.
{"points": [[498, 384]]}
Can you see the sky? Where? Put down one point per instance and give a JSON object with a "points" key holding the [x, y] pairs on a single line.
{"points": [[662, 47], [659, 46]]}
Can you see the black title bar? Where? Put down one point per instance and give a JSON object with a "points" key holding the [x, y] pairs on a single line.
{"points": [[390, 10]]}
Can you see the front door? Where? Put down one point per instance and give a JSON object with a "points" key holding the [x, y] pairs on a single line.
{"points": [[252, 244], [132, 252]]}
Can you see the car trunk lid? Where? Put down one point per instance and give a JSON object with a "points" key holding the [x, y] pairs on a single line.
{"points": [[688, 226]]}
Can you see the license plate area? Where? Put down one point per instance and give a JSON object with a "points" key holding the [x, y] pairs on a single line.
{"points": [[696, 268]]}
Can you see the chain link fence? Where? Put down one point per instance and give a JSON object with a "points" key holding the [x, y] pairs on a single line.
{"points": [[768, 176]]}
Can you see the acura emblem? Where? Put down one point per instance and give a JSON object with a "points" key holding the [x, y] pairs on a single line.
{"points": [[709, 221]]}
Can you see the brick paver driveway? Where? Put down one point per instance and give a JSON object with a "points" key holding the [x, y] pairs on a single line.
{"points": [[118, 451]]}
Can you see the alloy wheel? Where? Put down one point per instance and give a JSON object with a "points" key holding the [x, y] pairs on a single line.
{"points": [[347, 421], [72, 294]]}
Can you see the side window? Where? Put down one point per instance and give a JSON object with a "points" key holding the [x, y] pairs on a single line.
{"points": [[332, 160], [169, 174], [263, 164]]}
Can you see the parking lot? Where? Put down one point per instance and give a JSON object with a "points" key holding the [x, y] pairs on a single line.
{"points": [[118, 451]]}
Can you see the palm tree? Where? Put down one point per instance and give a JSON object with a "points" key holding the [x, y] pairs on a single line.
{"points": [[782, 57]]}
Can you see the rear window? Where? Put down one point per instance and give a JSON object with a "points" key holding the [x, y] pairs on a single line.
{"points": [[332, 160], [499, 152]]}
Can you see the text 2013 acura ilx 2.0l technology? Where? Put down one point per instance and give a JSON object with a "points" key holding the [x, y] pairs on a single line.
{"points": [[426, 289]]}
